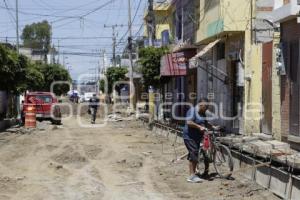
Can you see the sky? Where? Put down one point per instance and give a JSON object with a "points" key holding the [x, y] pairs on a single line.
{"points": [[77, 26]]}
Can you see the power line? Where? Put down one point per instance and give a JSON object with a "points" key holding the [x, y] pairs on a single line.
{"points": [[81, 17], [38, 14], [131, 23], [98, 8], [73, 38], [63, 17]]}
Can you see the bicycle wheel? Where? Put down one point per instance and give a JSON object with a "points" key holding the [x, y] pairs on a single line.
{"points": [[223, 161]]}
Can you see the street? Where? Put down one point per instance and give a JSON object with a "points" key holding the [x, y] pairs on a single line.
{"points": [[134, 99], [120, 161]]}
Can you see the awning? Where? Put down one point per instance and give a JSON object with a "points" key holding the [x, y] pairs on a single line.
{"points": [[208, 47], [176, 64], [173, 64]]}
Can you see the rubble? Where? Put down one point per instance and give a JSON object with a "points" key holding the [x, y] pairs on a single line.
{"points": [[264, 146], [263, 136]]}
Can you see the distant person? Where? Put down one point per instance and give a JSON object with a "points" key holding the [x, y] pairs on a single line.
{"points": [[93, 107], [193, 132]]}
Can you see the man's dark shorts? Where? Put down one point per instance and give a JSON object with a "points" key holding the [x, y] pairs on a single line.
{"points": [[193, 149]]}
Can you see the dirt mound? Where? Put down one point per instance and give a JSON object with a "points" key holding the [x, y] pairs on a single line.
{"points": [[69, 156], [8, 185], [131, 161], [92, 151]]}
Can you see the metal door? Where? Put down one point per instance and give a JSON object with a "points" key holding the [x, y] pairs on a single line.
{"points": [[294, 90], [266, 123]]}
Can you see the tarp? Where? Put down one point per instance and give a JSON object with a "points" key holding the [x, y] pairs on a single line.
{"points": [[208, 47], [174, 64]]}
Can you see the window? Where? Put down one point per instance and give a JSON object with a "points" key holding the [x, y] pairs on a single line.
{"points": [[221, 51], [45, 99], [209, 4]]}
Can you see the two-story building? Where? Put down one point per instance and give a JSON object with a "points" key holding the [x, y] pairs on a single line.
{"points": [[159, 23], [287, 14], [229, 61]]}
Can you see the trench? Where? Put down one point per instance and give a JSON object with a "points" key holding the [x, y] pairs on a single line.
{"points": [[280, 178]]}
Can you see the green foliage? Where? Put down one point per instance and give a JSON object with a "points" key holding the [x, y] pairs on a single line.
{"points": [[34, 78], [114, 74], [54, 73], [37, 36], [102, 86], [18, 74], [12, 70], [150, 65]]}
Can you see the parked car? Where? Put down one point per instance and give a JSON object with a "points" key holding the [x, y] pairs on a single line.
{"points": [[45, 103]]}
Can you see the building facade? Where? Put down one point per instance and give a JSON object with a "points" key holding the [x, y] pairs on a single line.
{"points": [[287, 15], [162, 20], [230, 60]]}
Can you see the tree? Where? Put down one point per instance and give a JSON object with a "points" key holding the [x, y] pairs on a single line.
{"points": [[113, 74], [34, 78], [150, 65], [52, 73], [12, 70], [37, 36]]}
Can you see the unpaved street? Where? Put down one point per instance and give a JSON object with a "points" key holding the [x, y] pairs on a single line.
{"points": [[119, 161]]}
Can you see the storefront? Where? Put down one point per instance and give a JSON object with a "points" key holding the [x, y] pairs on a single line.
{"points": [[290, 83], [220, 79], [178, 83]]}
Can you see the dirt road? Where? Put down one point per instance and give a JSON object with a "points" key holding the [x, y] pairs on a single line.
{"points": [[119, 161]]}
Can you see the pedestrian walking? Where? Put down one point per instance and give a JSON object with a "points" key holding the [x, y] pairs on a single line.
{"points": [[93, 107]]}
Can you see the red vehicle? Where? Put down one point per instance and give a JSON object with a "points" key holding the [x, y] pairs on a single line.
{"points": [[45, 103]]}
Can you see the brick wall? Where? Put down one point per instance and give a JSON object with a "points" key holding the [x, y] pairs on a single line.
{"points": [[290, 34], [285, 106]]}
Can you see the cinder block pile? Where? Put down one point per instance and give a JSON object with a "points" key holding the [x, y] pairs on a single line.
{"points": [[264, 146]]}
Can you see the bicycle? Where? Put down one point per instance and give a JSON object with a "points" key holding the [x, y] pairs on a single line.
{"points": [[216, 153]]}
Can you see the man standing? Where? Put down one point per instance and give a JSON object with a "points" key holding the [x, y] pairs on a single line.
{"points": [[195, 127], [94, 103]]}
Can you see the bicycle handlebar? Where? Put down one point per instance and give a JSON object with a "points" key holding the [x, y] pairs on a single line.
{"points": [[213, 132]]}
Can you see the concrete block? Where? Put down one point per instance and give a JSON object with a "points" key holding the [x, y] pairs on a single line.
{"points": [[294, 160], [262, 176], [279, 145], [279, 182], [226, 140], [246, 164], [263, 136], [245, 147], [281, 159], [295, 195], [260, 148], [244, 139], [241, 146], [236, 160]]}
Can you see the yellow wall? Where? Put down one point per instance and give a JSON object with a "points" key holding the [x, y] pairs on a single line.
{"points": [[163, 20], [253, 87], [229, 15], [235, 16], [276, 102]]}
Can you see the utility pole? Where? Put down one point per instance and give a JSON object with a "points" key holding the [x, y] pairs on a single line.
{"points": [[114, 40], [58, 54], [52, 49], [103, 62], [130, 53], [182, 23], [17, 26], [151, 23]]}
